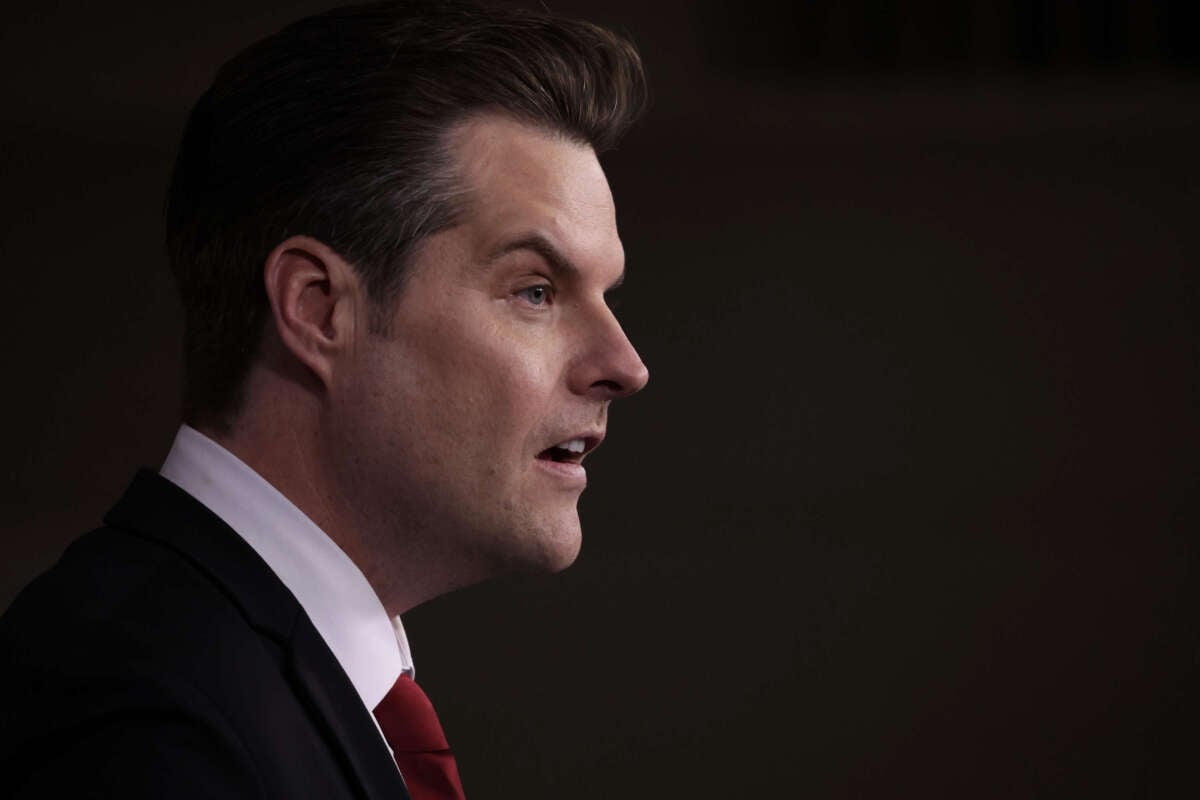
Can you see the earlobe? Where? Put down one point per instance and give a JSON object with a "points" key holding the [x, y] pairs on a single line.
{"points": [[311, 290]]}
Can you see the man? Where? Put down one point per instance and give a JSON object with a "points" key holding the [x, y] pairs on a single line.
{"points": [[393, 242]]}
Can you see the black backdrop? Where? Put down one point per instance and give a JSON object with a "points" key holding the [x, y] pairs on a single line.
{"points": [[909, 505]]}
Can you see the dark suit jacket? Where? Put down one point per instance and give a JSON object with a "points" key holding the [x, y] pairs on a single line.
{"points": [[162, 658]]}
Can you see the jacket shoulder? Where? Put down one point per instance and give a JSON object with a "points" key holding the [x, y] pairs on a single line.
{"points": [[128, 656]]}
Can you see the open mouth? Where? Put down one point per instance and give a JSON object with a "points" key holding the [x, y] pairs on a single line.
{"points": [[571, 451]]}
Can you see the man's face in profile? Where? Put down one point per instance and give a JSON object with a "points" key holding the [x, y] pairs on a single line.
{"points": [[469, 417]]}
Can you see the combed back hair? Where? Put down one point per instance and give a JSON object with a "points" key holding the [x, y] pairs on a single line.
{"points": [[337, 127]]}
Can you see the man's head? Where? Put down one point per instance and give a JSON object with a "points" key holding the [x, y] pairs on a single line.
{"points": [[393, 241], [337, 127]]}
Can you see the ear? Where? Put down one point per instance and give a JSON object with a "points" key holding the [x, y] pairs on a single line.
{"points": [[313, 294]]}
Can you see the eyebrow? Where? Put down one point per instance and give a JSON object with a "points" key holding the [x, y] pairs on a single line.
{"points": [[539, 244]]}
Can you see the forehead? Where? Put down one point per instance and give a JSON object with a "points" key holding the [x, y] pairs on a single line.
{"points": [[522, 179]]}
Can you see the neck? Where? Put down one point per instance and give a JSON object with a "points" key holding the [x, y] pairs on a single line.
{"points": [[278, 432]]}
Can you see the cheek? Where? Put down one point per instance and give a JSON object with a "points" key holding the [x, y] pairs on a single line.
{"points": [[484, 385]]}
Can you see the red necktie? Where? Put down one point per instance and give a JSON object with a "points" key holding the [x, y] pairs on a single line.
{"points": [[411, 727]]}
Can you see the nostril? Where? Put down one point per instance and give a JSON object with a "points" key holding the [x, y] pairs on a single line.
{"points": [[612, 390]]}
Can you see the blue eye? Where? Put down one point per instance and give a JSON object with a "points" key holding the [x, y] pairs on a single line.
{"points": [[537, 295]]}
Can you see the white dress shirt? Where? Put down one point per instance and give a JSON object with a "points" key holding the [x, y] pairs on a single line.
{"points": [[371, 648]]}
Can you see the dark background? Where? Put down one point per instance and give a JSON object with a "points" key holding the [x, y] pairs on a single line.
{"points": [[909, 506]]}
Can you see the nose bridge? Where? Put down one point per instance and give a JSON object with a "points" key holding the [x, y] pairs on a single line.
{"points": [[609, 366]]}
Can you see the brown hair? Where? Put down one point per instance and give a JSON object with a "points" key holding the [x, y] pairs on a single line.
{"points": [[335, 127]]}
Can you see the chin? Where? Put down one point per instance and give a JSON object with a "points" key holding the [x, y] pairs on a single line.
{"points": [[545, 548], [564, 555]]}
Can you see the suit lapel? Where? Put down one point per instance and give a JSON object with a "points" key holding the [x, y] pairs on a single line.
{"points": [[362, 749], [157, 509]]}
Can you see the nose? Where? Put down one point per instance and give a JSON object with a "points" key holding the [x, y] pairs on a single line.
{"points": [[609, 367]]}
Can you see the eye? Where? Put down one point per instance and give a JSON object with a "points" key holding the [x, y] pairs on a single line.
{"points": [[538, 295]]}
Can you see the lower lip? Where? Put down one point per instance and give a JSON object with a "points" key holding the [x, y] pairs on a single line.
{"points": [[568, 471]]}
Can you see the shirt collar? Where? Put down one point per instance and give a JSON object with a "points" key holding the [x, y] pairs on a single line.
{"points": [[371, 648]]}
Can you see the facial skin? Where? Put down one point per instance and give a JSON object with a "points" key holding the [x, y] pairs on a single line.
{"points": [[434, 434]]}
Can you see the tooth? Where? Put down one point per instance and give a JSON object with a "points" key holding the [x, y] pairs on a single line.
{"points": [[573, 446]]}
